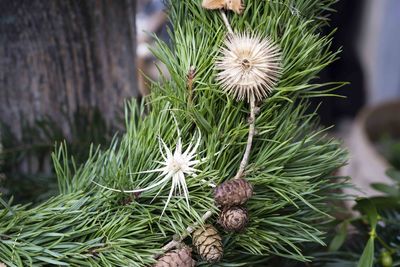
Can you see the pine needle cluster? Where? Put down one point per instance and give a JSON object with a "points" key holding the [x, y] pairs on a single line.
{"points": [[292, 163]]}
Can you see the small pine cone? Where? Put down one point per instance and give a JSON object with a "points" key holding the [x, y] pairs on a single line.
{"points": [[208, 243], [234, 219], [233, 193], [176, 258]]}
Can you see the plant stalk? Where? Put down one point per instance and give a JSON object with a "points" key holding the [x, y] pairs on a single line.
{"points": [[190, 77], [177, 243], [227, 24], [252, 130]]}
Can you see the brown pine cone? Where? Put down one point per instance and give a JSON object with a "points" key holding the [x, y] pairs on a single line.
{"points": [[176, 258], [233, 193], [208, 243], [234, 219]]}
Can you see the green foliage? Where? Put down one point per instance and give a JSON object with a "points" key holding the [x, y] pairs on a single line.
{"points": [[74, 229], [365, 206], [376, 240], [389, 147], [291, 165], [26, 162]]}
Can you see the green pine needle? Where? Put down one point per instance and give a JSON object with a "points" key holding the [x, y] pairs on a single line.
{"points": [[291, 163]]}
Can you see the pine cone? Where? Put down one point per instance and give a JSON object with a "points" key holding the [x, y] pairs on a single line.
{"points": [[233, 193], [208, 243], [234, 219], [177, 258]]}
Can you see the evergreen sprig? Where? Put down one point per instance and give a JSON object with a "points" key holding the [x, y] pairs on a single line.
{"points": [[291, 164]]}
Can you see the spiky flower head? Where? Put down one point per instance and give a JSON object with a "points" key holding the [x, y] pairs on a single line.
{"points": [[176, 166], [249, 67]]}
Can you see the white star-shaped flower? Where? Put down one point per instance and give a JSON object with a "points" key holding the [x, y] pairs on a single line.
{"points": [[176, 166]]}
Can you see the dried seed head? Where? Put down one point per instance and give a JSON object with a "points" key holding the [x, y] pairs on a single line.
{"points": [[249, 66], [234, 5]]}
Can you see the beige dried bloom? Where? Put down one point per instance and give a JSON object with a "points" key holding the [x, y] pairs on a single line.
{"points": [[249, 67], [234, 5], [176, 167]]}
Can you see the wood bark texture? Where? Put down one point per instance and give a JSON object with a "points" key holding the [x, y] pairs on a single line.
{"points": [[59, 56]]}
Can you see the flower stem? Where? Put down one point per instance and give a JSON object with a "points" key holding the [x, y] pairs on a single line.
{"points": [[190, 77], [384, 244], [252, 131], [177, 243], [252, 119], [226, 21]]}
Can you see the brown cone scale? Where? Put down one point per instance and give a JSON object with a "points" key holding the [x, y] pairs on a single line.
{"points": [[208, 243], [176, 258], [233, 193], [234, 219]]}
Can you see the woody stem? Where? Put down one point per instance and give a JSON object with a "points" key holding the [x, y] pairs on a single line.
{"points": [[177, 243], [252, 121], [226, 21]]}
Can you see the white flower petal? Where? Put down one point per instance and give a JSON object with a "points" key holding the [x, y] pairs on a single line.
{"points": [[178, 184], [185, 188], [150, 171], [160, 147], [193, 162], [171, 191], [167, 150], [178, 149], [136, 190], [175, 167]]}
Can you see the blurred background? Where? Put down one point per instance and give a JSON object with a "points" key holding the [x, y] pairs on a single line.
{"points": [[66, 68]]}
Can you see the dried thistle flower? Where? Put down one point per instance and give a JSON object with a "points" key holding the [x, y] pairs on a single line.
{"points": [[176, 166], [234, 5], [249, 66]]}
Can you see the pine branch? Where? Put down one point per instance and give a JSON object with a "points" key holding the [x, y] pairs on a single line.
{"points": [[292, 159], [177, 243]]}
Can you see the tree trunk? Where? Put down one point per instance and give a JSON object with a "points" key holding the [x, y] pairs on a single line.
{"points": [[59, 56]]}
